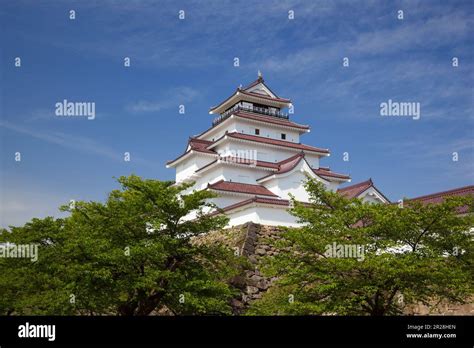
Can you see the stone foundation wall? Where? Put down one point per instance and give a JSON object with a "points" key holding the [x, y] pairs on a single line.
{"points": [[256, 246], [443, 308]]}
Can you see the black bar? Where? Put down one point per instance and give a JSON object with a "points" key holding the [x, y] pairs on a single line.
{"points": [[328, 330]]}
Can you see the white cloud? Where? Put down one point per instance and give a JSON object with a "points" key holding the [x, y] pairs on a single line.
{"points": [[170, 99], [77, 143]]}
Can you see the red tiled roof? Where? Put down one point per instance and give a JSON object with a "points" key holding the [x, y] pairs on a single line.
{"points": [[256, 82], [200, 145], [325, 171], [272, 201], [276, 142], [195, 144], [262, 118], [270, 119], [241, 188], [269, 201], [286, 165], [251, 94], [243, 161], [291, 162], [441, 196], [203, 145], [356, 189]]}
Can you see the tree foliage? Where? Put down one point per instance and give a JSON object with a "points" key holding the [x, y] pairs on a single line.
{"points": [[131, 255], [418, 253]]}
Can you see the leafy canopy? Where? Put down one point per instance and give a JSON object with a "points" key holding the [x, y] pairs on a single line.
{"points": [[132, 255], [418, 253]]}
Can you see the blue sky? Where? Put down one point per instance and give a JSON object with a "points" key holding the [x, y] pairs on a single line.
{"points": [[190, 62]]}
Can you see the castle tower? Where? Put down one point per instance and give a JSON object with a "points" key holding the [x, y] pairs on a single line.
{"points": [[253, 159]]}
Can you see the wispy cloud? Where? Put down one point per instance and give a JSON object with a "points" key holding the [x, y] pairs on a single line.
{"points": [[436, 158], [77, 143], [171, 99], [21, 201]]}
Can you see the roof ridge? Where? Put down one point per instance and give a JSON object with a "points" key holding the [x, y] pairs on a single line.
{"points": [[254, 83], [447, 192], [241, 187], [330, 173], [282, 142], [369, 181], [289, 159], [301, 156], [201, 140], [235, 182], [271, 119], [215, 183]]}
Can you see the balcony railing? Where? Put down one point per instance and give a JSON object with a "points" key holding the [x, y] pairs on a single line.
{"points": [[263, 111]]}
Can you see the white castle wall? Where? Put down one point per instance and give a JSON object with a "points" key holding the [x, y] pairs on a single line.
{"points": [[248, 127], [263, 152], [190, 165], [265, 215], [224, 200], [240, 217], [294, 184], [209, 177]]}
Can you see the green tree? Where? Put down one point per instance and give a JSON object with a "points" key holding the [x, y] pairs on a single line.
{"points": [[131, 255], [418, 253]]}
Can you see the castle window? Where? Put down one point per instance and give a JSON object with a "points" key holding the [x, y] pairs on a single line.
{"points": [[257, 131], [283, 136]]}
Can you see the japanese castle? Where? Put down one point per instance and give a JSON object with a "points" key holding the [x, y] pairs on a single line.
{"points": [[252, 157]]}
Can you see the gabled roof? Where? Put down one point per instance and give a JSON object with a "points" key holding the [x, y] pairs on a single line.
{"points": [[245, 93], [194, 144], [275, 142], [441, 196], [355, 190], [199, 145], [274, 202], [290, 163], [258, 81], [241, 188], [286, 165], [205, 146], [254, 83]]}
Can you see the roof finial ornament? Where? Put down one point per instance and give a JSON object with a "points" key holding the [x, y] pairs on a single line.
{"points": [[259, 74]]}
